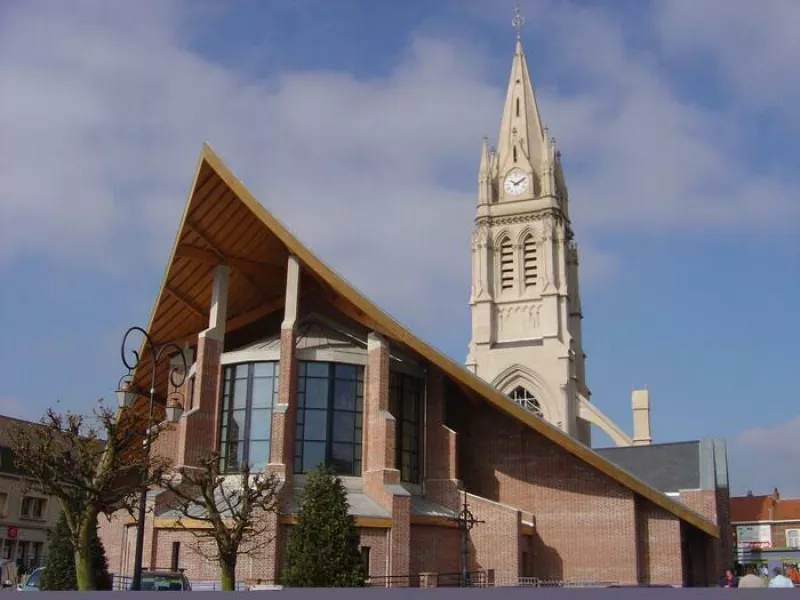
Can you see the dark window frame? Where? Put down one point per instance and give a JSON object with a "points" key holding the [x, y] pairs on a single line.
{"points": [[398, 385], [331, 376], [226, 406]]}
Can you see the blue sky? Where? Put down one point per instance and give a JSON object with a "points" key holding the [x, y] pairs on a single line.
{"points": [[358, 124]]}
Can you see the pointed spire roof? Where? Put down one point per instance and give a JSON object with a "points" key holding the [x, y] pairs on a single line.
{"points": [[521, 114]]}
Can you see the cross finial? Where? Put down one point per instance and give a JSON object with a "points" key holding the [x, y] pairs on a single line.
{"points": [[518, 21]]}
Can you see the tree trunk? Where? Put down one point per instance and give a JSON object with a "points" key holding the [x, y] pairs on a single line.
{"points": [[227, 566], [84, 573]]}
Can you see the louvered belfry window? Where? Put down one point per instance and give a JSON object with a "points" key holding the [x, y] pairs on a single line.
{"points": [[506, 264], [529, 261]]}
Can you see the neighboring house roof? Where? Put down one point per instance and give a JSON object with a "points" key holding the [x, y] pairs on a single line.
{"points": [[750, 509], [219, 203]]}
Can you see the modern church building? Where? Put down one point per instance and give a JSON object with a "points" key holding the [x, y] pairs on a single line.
{"points": [[292, 367]]}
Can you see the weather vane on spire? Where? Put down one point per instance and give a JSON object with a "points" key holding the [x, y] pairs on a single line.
{"points": [[518, 21]]}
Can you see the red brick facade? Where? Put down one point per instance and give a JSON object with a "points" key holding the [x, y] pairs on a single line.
{"points": [[542, 511]]}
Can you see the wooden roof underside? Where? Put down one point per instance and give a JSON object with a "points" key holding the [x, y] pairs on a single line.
{"points": [[224, 224]]}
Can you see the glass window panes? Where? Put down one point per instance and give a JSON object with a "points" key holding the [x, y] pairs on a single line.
{"points": [[405, 404], [329, 417], [250, 391]]}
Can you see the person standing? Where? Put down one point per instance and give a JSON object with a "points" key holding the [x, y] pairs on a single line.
{"points": [[751, 580], [780, 580], [728, 580]]}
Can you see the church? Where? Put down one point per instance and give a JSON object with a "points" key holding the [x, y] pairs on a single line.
{"points": [[290, 367]]}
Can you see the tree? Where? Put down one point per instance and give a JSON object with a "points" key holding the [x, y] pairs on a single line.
{"points": [[91, 469], [323, 548], [238, 513], [59, 574]]}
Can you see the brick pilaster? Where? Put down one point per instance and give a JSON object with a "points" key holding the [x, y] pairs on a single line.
{"points": [[285, 410], [381, 477], [199, 430], [441, 482]]}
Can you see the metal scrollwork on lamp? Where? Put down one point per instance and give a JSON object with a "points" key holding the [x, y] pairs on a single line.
{"points": [[126, 397]]}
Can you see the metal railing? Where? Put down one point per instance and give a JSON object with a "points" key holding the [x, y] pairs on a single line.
{"points": [[471, 579], [393, 581], [122, 583]]}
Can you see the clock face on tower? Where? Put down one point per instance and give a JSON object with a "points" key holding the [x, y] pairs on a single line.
{"points": [[516, 182]]}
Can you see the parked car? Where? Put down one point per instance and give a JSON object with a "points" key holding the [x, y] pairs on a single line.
{"points": [[31, 582], [164, 581], [8, 576]]}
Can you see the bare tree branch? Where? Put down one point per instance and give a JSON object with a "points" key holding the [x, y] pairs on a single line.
{"points": [[236, 511]]}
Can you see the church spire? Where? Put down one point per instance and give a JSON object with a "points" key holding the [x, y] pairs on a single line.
{"points": [[521, 141]]}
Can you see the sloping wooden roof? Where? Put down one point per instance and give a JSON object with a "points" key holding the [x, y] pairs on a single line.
{"points": [[224, 224]]}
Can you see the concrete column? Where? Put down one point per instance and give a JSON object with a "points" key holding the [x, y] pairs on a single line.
{"points": [[640, 402], [199, 431], [219, 303], [285, 410]]}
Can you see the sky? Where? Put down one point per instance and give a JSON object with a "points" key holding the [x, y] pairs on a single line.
{"points": [[358, 124]]}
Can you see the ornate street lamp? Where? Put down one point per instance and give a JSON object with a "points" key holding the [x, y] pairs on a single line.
{"points": [[126, 398]]}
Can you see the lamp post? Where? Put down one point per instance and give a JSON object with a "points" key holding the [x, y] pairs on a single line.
{"points": [[126, 397]]}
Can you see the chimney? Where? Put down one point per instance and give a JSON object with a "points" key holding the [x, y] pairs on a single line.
{"points": [[640, 402], [749, 493], [775, 494]]}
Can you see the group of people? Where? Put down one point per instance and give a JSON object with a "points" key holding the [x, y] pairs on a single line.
{"points": [[756, 578]]}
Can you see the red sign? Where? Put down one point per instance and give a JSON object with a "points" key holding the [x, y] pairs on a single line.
{"points": [[12, 532]]}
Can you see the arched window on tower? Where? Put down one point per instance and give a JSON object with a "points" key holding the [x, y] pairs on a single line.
{"points": [[506, 264], [526, 400], [529, 262]]}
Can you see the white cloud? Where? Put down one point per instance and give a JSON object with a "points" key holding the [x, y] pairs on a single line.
{"points": [[103, 112], [767, 457], [755, 50]]}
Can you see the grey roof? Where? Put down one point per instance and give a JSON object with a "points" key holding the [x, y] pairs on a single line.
{"points": [[666, 467], [425, 508], [360, 505]]}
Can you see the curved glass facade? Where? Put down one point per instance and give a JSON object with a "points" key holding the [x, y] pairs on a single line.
{"points": [[330, 406], [329, 426], [249, 392]]}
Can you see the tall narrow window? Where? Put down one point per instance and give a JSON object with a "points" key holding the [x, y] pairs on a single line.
{"points": [[248, 396], [526, 400], [506, 264], [405, 404], [529, 261], [517, 106], [175, 559], [514, 152], [365, 559], [330, 404]]}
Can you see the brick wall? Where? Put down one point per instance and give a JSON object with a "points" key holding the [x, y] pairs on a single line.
{"points": [[659, 545], [585, 522], [377, 541], [779, 533], [435, 549], [495, 544], [715, 506], [200, 427], [112, 533]]}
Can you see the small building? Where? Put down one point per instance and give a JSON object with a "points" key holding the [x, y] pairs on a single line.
{"points": [[26, 517], [766, 529]]}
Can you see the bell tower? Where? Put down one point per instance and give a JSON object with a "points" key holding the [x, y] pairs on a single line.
{"points": [[525, 299]]}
